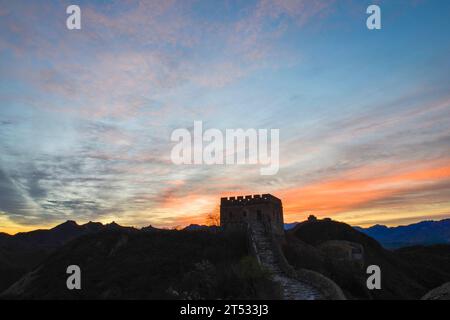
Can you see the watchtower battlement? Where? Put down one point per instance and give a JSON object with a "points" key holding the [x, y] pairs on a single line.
{"points": [[264, 209], [249, 200]]}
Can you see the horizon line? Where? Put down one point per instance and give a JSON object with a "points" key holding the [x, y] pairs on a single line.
{"points": [[178, 227]]}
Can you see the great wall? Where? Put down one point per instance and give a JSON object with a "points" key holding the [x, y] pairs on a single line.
{"points": [[262, 216]]}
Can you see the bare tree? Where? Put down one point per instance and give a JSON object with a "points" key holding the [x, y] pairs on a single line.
{"points": [[213, 219]]}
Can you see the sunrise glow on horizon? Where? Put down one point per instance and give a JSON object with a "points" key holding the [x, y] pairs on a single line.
{"points": [[86, 115]]}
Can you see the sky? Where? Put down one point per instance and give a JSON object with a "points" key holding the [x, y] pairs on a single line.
{"points": [[86, 115]]}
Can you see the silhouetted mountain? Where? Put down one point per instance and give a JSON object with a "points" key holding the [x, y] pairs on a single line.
{"points": [[195, 227], [57, 236], [22, 252], [93, 226], [4, 235], [289, 226], [342, 253], [114, 226], [149, 229], [421, 233], [168, 264]]}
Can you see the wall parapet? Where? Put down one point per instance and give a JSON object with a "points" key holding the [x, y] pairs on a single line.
{"points": [[327, 287], [249, 200]]}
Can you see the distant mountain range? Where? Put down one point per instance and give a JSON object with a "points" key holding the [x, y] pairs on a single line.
{"points": [[57, 236], [421, 233], [289, 226]]}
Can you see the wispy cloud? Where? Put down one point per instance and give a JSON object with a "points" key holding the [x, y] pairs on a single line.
{"points": [[86, 116]]}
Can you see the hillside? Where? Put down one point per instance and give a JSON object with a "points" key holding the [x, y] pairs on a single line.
{"points": [[432, 261], [403, 276], [24, 251], [164, 264]]}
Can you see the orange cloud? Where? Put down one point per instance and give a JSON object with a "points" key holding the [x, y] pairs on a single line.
{"points": [[360, 186]]}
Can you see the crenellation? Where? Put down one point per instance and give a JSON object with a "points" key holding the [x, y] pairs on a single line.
{"points": [[249, 199]]}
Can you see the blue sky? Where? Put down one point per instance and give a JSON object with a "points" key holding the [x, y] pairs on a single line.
{"points": [[86, 115]]}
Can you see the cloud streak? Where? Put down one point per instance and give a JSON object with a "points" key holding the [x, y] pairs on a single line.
{"points": [[86, 117]]}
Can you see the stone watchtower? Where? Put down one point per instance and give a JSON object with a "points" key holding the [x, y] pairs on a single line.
{"points": [[265, 210]]}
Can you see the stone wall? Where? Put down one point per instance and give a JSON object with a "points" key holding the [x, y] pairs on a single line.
{"points": [[252, 209]]}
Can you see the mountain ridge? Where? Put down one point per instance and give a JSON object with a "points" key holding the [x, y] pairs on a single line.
{"points": [[427, 232]]}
